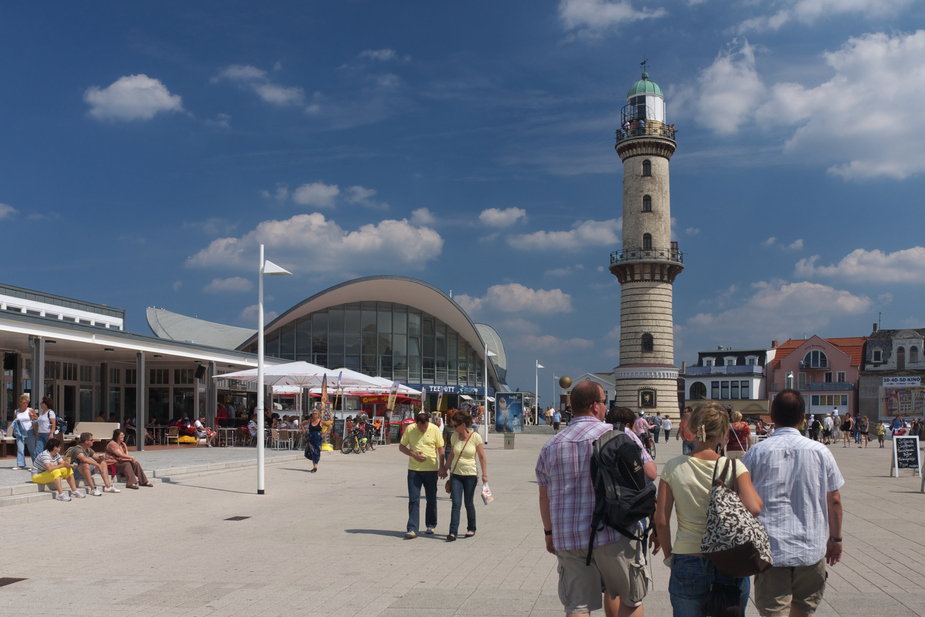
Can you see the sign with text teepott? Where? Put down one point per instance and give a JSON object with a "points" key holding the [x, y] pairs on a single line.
{"points": [[905, 455], [509, 412]]}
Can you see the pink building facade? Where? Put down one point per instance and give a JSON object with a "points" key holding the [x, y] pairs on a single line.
{"points": [[825, 371]]}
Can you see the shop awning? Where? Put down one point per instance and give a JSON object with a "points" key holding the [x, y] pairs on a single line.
{"points": [[465, 396]]}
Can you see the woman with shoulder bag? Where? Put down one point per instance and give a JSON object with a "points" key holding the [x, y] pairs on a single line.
{"points": [[465, 446], [846, 428], [46, 424], [685, 487], [24, 432], [739, 433]]}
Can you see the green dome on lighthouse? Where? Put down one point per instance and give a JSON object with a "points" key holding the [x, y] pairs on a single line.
{"points": [[644, 86]]}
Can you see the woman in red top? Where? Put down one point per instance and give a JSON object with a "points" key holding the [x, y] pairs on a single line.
{"points": [[738, 436]]}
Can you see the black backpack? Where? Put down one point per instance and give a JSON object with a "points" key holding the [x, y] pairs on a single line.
{"points": [[623, 494]]}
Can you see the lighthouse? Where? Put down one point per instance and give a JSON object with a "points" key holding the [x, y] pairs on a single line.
{"points": [[649, 260]]}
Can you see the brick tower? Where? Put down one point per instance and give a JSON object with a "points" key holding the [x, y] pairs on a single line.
{"points": [[649, 261]]}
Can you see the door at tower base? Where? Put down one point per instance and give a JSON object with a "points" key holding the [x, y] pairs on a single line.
{"points": [[509, 412]]}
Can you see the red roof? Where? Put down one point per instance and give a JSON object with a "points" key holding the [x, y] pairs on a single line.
{"points": [[852, 346]]}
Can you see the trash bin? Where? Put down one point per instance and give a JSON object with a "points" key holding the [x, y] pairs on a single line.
{"points": [[509, 441]]}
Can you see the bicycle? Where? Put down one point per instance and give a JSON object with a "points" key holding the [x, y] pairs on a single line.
{"points": [[648, 443], [351, 443]]}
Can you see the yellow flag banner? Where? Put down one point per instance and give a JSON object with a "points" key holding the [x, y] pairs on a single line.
{"points": [[393, 394]]}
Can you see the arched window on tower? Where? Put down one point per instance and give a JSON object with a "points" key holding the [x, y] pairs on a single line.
{"points": [[647, 204], [647, 242], [648, 343], [646, 168]]}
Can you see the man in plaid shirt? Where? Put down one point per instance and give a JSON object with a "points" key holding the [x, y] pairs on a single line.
{"points": [[563, 472]]}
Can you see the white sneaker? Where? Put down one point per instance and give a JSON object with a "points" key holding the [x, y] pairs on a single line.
{"points": [[63, 497], [111, 489], [77, 494], [96, 492]]}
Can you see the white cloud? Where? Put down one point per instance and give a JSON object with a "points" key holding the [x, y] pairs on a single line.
{"points": [[834, 121], [583, 235], [692, 231], [7, 211], [493, 217], [177, 285], [549, 343], [258, 81], [796, 245], [515, 297], [221, 121], [558, 272], [233, 284], [280, 95], [249, 315], [422, 217], [132, 97], [811, 11], [593, 18], [778, 311], [310, 243], [383, 55], [770, 241], [364, 197], [239, 72], [730, 84], [860, 265], [316, 194]]}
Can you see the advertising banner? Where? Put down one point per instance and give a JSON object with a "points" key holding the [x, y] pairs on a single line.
{"points": [[509, 412], [908, 401]]}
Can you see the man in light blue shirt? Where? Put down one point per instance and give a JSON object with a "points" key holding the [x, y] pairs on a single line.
{"points": [[798, 481]]}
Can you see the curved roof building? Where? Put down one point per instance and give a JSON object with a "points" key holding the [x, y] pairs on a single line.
{"points": [[395, 327]]}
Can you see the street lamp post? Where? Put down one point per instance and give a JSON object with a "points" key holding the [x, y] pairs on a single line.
{"points": [[265, 267], [483, 427], [536, 390]]}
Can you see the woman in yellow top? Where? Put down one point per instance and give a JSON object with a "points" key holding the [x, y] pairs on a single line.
{"points": [[685, 486], [465, 445]]}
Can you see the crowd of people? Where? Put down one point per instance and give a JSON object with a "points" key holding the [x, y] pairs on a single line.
{"points": [[790, 483]]}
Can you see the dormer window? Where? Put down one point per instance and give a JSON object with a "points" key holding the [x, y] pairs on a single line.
{"points": [[646, 168], [647, 204], [878, 356], [708, 362], [913, 354], [815, 359]]}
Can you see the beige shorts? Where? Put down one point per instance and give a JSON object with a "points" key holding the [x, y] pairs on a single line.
{"points": [[620, 567], [735, 453], [779, 588]]}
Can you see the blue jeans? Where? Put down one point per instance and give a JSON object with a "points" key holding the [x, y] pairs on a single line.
{"points": [[691, 576], [667, 434], [417, 479], [463, 487], [687, 446], [40, 442], [655, 433], [21, 443]]}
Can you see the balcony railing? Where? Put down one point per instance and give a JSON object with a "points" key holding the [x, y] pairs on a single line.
{"points": [[750, 369], [625, 255], [819, 386], [657, 130]]}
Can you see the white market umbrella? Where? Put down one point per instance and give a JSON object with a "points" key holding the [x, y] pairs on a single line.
{"points": [[302, 374]]}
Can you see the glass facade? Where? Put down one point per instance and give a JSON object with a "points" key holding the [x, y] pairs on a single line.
{"points": [[387, 339]]}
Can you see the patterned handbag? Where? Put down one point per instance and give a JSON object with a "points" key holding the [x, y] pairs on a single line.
{"points": [[734, 540]]}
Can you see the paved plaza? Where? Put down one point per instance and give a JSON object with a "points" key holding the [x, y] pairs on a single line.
{"points": [[331, 543]]}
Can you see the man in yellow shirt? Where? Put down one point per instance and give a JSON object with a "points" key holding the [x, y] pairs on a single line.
{"points": [[423, 444]]}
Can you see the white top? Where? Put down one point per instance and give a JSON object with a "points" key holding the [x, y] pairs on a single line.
{"points": [[666, 424], [793, 475], [200, 429], [24, 419], [44, 421], [828, 423]]}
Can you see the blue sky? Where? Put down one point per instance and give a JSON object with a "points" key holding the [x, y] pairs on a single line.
{"points": [[147, 151]]}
